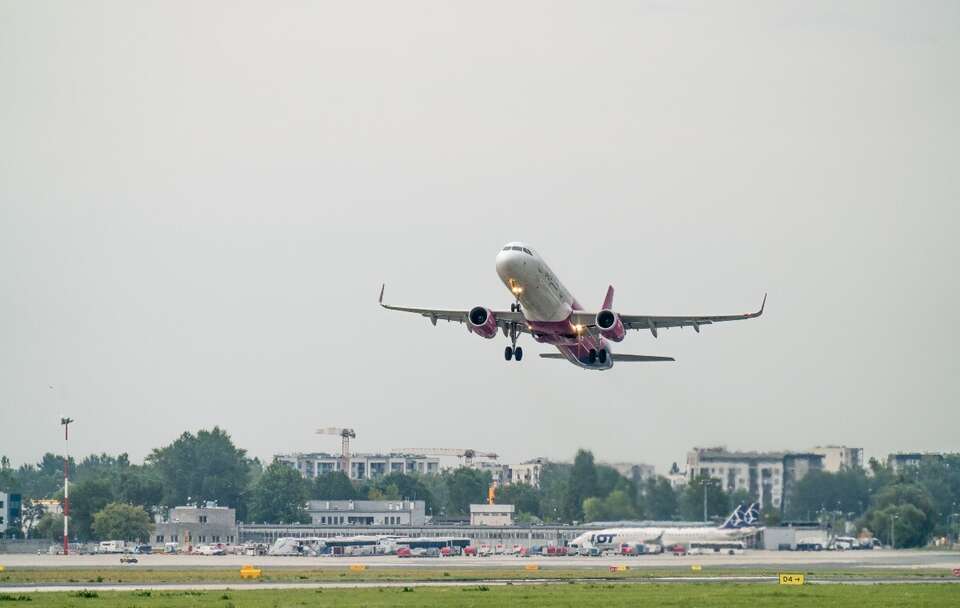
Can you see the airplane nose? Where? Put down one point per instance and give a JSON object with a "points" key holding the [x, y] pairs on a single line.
{"points": [[507, 264]]}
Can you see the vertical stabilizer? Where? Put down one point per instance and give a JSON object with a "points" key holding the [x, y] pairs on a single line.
{"points": [[608, 301]]}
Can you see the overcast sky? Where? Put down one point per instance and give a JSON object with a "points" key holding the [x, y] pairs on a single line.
{"points": [[199, 202]]}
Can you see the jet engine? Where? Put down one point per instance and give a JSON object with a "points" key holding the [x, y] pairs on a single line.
{"points": [[611, 327], [480, 321]]}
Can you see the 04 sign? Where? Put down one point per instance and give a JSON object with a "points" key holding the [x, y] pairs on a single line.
{"points": [[791, 579]]}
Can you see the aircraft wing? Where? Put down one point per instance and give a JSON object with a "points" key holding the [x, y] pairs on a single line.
{"points": [[655, 322], [504, 318]]}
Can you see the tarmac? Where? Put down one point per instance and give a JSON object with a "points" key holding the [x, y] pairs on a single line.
{"points": [[900, 559]]}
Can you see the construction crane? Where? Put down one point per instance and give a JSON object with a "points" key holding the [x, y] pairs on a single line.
{"points": [[465, 454], [346, 435]]}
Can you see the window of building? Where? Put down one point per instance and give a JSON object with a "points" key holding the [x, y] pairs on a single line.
{"points": [[216, 538], [174, 538], [203, 519], [159, 538]]}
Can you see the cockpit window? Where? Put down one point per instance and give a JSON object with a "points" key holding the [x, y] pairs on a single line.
{"points": [[505, 249], [517, 248], [526, 251]]}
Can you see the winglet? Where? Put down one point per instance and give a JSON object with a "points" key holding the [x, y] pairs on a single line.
{"points": [[762, 304], [382, 287]]}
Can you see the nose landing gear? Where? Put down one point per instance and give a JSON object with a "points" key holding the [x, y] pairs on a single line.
{"points": [[513, 351]]}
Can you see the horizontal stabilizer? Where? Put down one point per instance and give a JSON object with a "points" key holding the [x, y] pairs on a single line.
{"points": [[616, 357], [619, 357]]}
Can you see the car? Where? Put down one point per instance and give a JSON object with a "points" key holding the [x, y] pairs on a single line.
{"points": [[679, 550], [143, 549], [404, 552], [124, 559], [471, 550]]}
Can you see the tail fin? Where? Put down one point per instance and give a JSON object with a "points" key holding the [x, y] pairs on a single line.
{"points": [[743, 517], [608, 301]]}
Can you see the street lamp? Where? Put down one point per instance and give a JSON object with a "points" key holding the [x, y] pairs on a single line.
{"points": [[706, 483], [893, 537], [65, 422]]}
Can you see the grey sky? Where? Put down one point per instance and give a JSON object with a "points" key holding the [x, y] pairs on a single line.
{"points": [[199, 201]]}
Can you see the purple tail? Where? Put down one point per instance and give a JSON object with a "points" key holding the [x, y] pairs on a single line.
{"points": [[608, 301]]}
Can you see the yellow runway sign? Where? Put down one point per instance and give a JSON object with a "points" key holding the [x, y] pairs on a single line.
{"points": [[791, 579]]}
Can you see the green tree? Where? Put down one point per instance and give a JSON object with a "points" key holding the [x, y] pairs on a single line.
{"points": [[202, 467], [594, 509], [912, 510], [582, 485], [279, 496], [659, 498], [847, 491], [86, 499], [465, 487], [333, 486], [524, 498], [120, 521], [50, 526], [691, 501], [554, 482]]}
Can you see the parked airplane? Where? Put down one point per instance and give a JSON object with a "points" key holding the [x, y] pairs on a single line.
{"points": [[742, 523], [545, 309]]}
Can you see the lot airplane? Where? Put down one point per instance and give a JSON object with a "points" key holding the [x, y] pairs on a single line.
{"points": [[742, 523], [545, 309]]}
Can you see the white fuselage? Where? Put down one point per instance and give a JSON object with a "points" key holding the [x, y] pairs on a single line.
{"points": [[547, 305], [667, 536]]}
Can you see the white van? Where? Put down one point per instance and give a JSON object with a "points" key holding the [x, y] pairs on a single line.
{"points": [[111, 546]]}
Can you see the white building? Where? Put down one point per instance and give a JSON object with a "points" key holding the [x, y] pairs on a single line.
{"points": [[362, 466], [9, 511], [196, 525], [528, 472], [367, 512], [491, 515], [764, 475], [839, 457]]}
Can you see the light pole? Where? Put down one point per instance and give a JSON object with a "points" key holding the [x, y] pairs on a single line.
{"points": [[893, 537], [706, 484], [65, 421]]}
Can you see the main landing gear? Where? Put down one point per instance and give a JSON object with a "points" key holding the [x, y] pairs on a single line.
{"points": [[595, 355], [513, 351]]}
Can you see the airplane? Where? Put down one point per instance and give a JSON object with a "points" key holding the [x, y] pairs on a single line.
{"points": [[742, 523], [548, 312]]}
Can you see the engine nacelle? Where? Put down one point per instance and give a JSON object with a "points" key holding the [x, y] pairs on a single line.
{"points": [[480, 321], [611, 327]]}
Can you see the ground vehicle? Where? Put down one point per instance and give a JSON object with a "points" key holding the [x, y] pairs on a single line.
{"points": [[711, 548], [210, 550], [404, 552], [679, 550], [470, 551], [111, 546], [809, 547], [127, 560], [143, 549]]}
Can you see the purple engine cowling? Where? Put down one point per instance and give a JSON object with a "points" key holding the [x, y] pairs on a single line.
{"points": [[611, 327], [481, 321]]}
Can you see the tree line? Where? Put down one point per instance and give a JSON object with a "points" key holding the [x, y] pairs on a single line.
{"points": [[113, 498]]}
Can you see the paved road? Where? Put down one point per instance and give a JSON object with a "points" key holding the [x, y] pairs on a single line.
{"points": [[771, 580], [754, 559]]}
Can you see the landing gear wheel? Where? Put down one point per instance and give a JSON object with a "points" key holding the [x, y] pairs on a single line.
{"points": [[592, 356], [602, 355], [513, 308], [508, 353], [518, 353]]}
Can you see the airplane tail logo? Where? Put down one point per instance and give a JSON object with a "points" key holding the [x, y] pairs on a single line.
{"points": [[743, 517]]}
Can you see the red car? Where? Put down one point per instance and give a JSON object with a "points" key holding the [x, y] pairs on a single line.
{"points": [[403, 552], [470, 551], [679, 550]]}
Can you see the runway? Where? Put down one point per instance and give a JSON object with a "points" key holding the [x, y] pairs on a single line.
{"points": [[900, 559]]}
